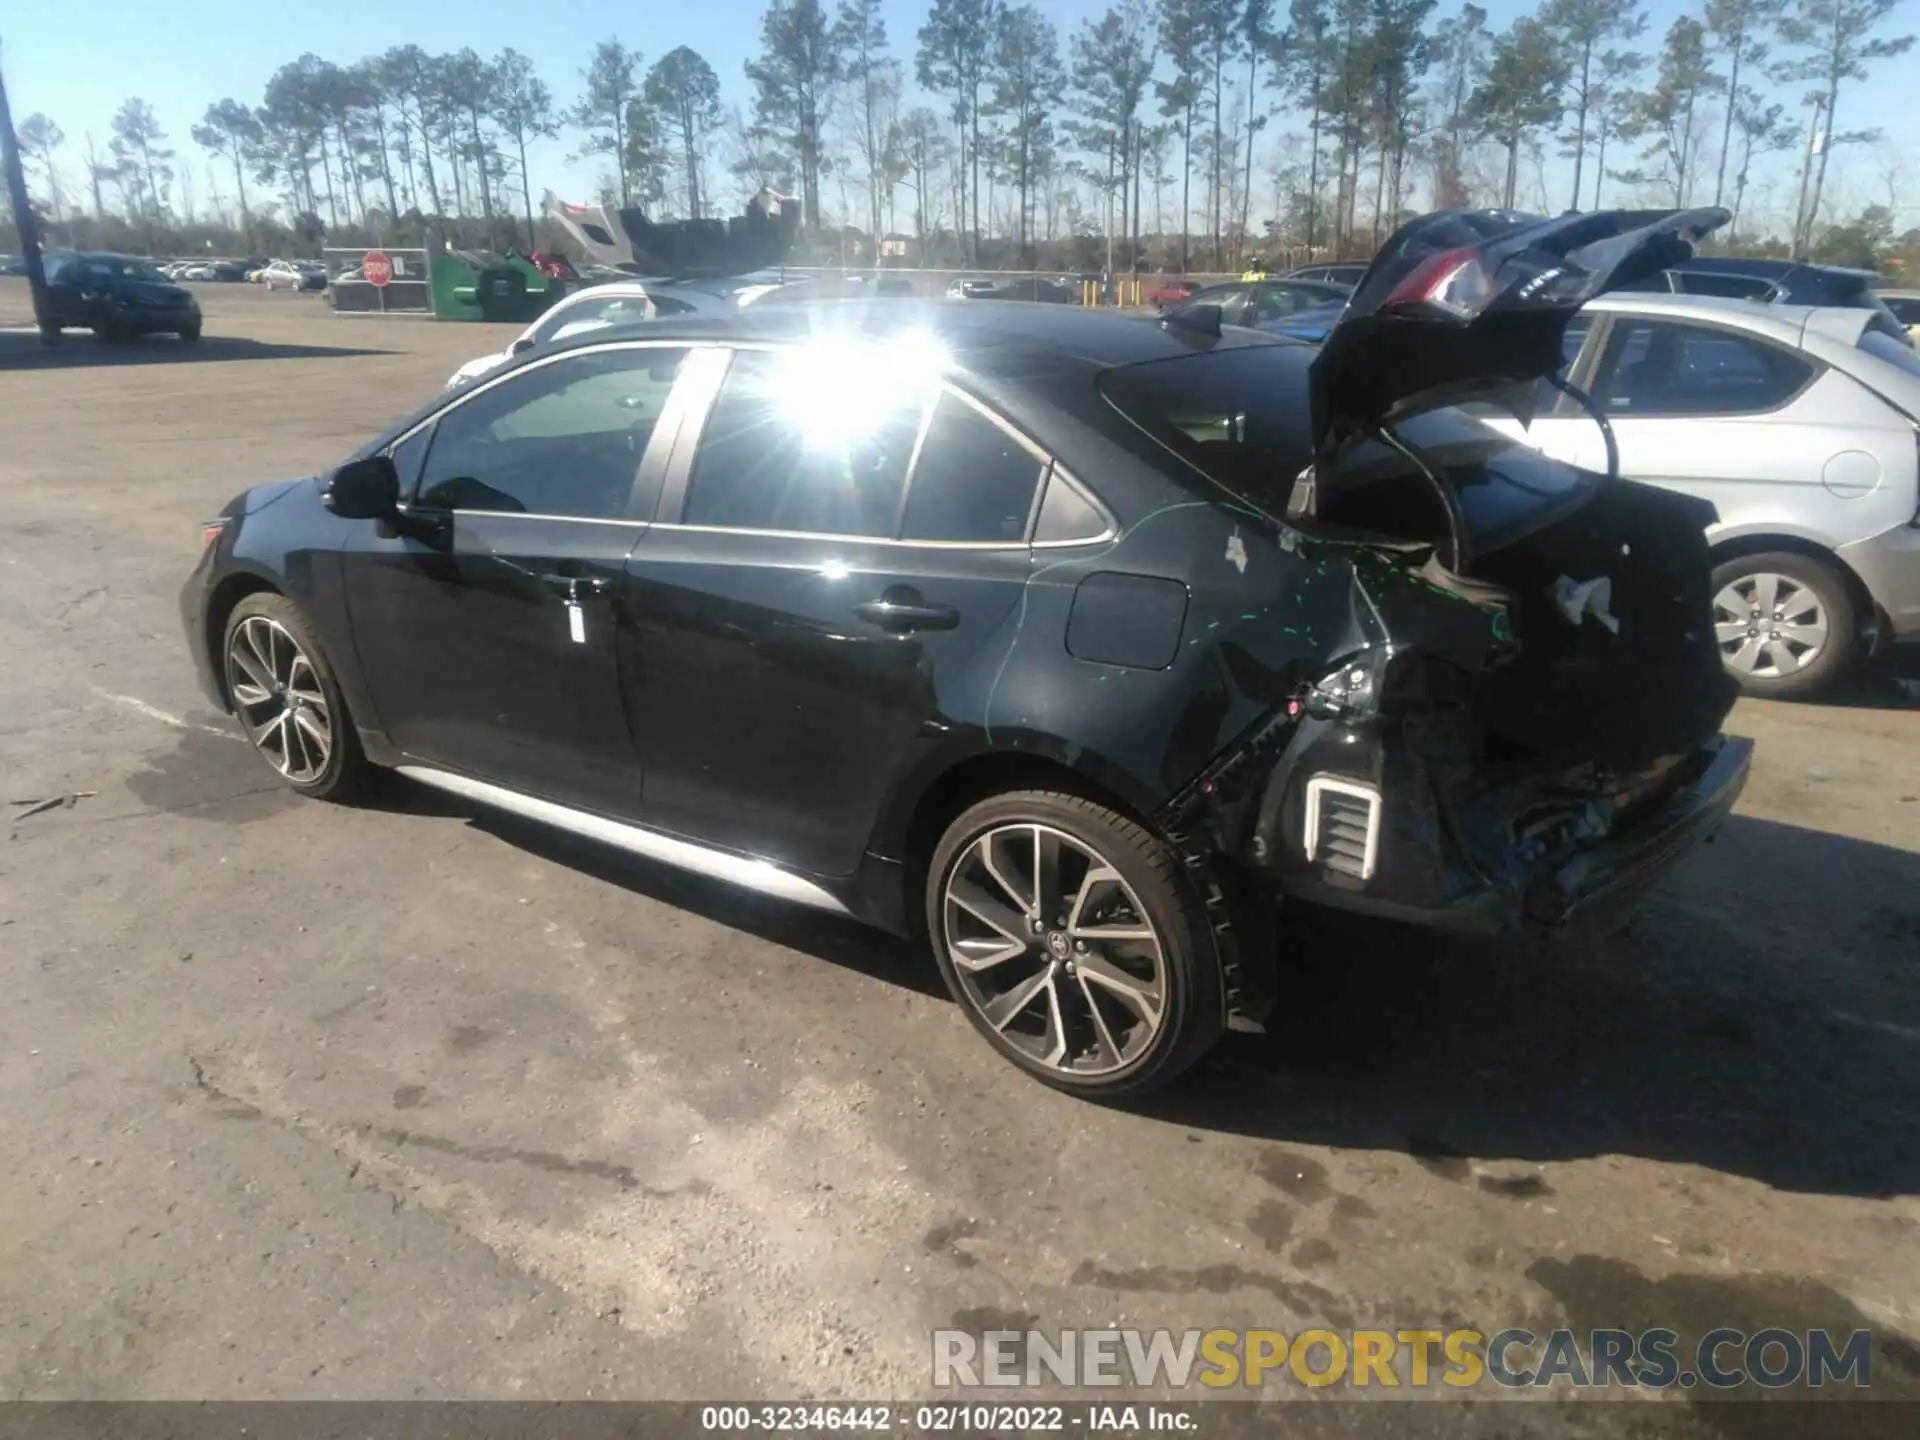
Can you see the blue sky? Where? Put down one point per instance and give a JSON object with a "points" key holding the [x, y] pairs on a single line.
{"points": [[77, 62]]}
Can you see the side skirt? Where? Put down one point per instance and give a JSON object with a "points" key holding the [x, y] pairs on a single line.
{"points": [[761, 876]]}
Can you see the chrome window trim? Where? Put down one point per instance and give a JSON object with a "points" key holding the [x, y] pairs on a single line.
{"points": [[537, 515], [842, 539]]}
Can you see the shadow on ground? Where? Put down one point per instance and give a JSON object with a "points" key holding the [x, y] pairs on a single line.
{"points": [[1749, 1037], [23, 351], [1682, 1041]]}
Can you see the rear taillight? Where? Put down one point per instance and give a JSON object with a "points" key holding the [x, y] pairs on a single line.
{"points": [[1455, 281], [211, 531]]}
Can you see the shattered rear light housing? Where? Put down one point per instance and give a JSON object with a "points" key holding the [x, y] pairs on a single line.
{"points": [[1455, 282]]}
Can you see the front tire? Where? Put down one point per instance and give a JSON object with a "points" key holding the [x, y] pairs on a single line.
{"points": [[189, 334], [1071, 939], [1785, 623], [287, 700]]}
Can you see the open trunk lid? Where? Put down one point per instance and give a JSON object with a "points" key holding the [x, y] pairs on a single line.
{"points": [[1472, 304]]}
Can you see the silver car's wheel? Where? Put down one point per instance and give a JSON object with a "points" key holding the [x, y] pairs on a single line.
{"points": [[278, 697], [1785, 622], [1770, 626]]}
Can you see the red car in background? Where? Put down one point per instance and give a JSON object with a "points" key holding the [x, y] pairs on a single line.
{"points": [[1170, 292]]}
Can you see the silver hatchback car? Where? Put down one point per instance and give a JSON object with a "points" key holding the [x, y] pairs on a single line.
{"points": [[1802, 427]]}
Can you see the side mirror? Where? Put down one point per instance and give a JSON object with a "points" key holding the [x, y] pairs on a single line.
{"points": [[523, 344], [366, 489]]}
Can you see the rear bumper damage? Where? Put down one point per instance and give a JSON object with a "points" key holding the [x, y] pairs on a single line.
{"points": [[1387, 845]]}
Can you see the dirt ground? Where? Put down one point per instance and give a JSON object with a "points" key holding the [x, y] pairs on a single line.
{"points": [[403, 1100]]}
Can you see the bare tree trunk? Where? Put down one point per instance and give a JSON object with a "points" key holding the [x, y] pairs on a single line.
{"points": [[1580, 120]]}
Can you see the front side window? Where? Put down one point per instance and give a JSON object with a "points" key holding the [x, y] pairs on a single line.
{"points": [[1662, 367], [563, 439], [973, 481], [786, 448]]}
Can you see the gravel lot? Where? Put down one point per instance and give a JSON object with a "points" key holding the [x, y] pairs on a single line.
{"points": [[408, 1100]]}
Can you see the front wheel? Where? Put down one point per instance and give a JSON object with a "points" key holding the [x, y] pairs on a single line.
{"points": [[1071, 939], [1785, 623], [189, 334], [286, 698]]}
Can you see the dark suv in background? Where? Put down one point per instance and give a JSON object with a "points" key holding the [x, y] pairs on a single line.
{"points": [[117, 297]]}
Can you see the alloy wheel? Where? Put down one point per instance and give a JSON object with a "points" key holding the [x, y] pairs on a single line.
{"points": [[1054, 949], [277, 695], [1770, 625]]}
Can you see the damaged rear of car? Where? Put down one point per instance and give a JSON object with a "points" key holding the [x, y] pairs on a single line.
{"points": [[1515, 721]]}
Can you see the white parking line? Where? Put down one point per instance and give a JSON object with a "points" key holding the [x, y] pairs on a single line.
{"points": [[154, 712]]}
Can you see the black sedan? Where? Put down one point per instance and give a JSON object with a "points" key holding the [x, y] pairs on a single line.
{"points": [[116, 296], [1012, 628]]}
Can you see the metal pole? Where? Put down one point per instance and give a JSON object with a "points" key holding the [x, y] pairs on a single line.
{"points": [[24, 221]]}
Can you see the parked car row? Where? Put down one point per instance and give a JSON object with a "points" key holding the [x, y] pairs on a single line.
{"points": [[228, 271]]}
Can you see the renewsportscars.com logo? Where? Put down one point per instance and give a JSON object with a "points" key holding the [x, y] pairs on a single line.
{"points": [[1515, 1359]]}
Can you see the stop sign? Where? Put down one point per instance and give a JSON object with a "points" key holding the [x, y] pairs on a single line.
{"points": [[377, 267]]}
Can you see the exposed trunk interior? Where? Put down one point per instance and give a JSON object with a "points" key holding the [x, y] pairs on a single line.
{"points": [[1620, 673]]}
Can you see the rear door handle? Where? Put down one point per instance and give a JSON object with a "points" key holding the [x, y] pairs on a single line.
{"points": [[902, 613], [575, 587]]}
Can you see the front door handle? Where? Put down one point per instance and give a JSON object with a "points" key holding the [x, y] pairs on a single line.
{"points": [[575, 587], [902, 610]]}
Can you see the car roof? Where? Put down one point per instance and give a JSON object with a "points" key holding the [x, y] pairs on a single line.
{"points": [[1766, 268], [1787, 324], [1000, 338]]}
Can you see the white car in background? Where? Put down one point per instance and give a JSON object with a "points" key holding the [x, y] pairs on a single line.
{"points": [[620, 302], [293, 275], [1801, 426]]}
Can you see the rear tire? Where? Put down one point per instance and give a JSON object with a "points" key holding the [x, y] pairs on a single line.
{"points": [[287, 701], [1072, 940], [189, 334], [1786, 623]]}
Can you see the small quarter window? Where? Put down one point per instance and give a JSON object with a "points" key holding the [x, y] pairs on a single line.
{"points": [[1066, 515]]}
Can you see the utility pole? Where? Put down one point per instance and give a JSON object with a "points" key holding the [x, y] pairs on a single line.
{"points": [[23, 217], [1802, 222]]}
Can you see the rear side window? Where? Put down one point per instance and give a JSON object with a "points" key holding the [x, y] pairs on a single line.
{"points": [[1237, 414], [1732, 287], [1905, 310], [768, 461], [973, 481], [1660, 367]]}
